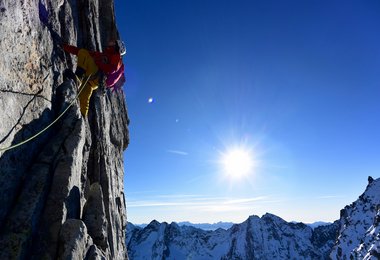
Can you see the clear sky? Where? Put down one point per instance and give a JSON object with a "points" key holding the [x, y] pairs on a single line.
{"points": [[294, 85]]}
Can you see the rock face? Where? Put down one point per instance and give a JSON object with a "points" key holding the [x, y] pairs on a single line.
{"points": [[355, 236], [62, 194]]}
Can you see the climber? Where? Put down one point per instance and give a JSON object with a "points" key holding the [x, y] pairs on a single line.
{"points": [[106, 65]]}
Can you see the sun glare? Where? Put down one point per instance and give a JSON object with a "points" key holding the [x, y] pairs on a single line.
{"points": [[237, 163]]}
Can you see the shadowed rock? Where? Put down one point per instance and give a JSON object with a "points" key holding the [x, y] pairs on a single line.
{"points": [[95, 217]]}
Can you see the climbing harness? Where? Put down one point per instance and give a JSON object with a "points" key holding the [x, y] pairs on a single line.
{"points": [[52, 123]]}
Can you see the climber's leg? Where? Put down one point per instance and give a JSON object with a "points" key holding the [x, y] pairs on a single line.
{"points": [[85, 96], [87, 66]]}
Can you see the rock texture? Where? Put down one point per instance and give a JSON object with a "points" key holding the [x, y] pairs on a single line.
{"points": [[62, 193], [356, 235]]}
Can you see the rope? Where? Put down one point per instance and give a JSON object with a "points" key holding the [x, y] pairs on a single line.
{"points": [[52, 123]]}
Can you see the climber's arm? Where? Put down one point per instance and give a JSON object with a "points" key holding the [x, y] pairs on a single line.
{"points": [[71, 49], [112, 64]]}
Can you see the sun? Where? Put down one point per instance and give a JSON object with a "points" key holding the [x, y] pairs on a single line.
{"points": [[237, 162]]}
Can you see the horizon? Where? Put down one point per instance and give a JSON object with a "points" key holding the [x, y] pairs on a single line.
{"points": [[247, 107], [183, 223]]}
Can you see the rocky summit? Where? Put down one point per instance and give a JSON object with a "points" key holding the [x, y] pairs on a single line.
{"points": [[354, 236], [62, 192], [359, 235]]}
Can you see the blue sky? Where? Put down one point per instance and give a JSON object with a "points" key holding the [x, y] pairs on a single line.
{"points": [[295, 83]]}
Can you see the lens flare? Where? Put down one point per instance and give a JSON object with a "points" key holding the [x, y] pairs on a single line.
{"points": [[237, 162]]}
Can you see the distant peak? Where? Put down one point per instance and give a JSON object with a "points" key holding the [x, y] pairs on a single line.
{"points": [[153, 224], [373, 187], [271, 216]]}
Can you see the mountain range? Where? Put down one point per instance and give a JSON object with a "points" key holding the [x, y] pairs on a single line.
{"points": [[354, 236], [204, 226]]}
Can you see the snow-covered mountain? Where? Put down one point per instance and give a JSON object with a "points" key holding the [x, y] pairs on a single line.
{"points": [[354, 236], [268, 237], [207, 226], [359, 226]]}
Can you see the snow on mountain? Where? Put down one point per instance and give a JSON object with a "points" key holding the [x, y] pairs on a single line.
{"points": [[370, 246], [359, 231], [131, 230], [204, 226], [268, 237], [356, 235]]}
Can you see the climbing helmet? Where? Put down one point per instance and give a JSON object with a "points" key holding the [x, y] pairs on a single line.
{"points": [[121, 46]]}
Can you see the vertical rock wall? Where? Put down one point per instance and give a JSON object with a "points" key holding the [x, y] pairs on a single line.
{"points": [[62, 193]]}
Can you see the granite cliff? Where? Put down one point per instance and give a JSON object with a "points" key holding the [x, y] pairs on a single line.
{"points": [[62, 194]]}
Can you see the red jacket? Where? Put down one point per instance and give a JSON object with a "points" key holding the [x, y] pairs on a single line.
{"points": [[108, 61]]}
